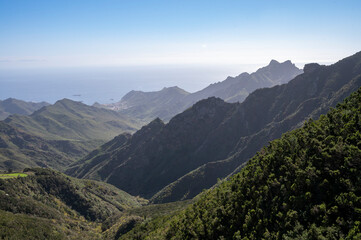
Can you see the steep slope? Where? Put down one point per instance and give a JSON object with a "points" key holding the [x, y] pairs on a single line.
{"points": [[170, 101], [19, 150], [56, 204], [139, 164], [73, 125], [267, 113], [211, 139], [305, 185], [14, 106]]}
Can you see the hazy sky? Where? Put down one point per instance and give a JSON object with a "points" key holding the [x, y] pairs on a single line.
{"points": [[65, 33]]}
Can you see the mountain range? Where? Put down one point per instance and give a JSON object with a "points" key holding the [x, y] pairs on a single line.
{"points": [[177, 160], [305, 185], [57, 135], [173, 100], [14, 106]]}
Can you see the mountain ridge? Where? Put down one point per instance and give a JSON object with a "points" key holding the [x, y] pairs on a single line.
{"points": [[304, 185], [70, 129], [262, 117], [11, 106], [168, 102], [249, 145]]}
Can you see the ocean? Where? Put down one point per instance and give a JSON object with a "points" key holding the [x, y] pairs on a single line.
{"points": [[108, 84]]}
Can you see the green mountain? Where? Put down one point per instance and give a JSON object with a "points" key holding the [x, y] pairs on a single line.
{"points": [[19, 150], [176, 161], [170, 101], [50, 205], [14, 106], [72, 128], [71, 120], [305, 185]]}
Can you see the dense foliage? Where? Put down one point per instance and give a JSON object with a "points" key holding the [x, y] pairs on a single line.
{"points": [[305, 185], [73, 207], [20, 226]]}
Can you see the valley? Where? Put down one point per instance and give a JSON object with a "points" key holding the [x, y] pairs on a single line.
{"points": [[70, 170]]}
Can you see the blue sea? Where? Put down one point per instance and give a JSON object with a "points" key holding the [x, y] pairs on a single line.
{"points": [[108, 84]]}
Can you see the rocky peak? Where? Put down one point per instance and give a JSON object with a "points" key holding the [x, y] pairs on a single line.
{"points": [[274, 63], [310, 67]]}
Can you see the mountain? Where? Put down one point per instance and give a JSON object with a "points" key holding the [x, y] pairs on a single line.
{"points": [[14, 106], [305, 185], [148, 160], [149, 105], [19, 150], [49, 205], [170, 101], [73, 126], [71, 120], [236, 89], [268, 113], [176, 161]]}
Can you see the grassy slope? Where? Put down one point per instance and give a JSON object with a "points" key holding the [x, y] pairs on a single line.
{"points": [[59, 134], [305, 185], [70, 120], [12, 175], [14, 106], [19, 149]]}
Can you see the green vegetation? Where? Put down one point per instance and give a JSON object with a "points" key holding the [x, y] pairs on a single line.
{"points": [[118, 225], [14, 106], [12, 175], [57, 135], [70, 120], [57, 205], [20, 226], [305, 185], [19, 150]]}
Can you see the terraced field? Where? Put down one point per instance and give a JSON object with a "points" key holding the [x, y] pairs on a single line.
{"points": [[12, 175]]}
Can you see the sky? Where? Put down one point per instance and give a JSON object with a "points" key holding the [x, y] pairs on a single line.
{"points": [[95, 33]]}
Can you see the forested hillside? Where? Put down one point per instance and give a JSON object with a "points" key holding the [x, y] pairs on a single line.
{"points": [[305, 185], [50, 205]]}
